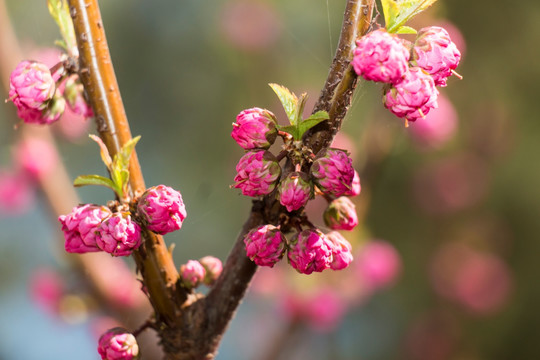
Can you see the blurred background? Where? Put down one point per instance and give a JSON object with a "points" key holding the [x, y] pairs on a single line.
{"points": [[447, 250]]}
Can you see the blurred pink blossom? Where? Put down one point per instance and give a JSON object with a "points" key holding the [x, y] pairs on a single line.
{"points": [[250, 25], [324, 310], [17, 193], [377, 264], [46, 288], [36, 156], [437, 128]]}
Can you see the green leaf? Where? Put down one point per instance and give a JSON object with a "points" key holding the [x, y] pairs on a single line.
{"points": [[291, 129], [398, 12], [59, 11], [95, 180], [311, 121], [288, 100], [121, 160], [105, 156], [300, 109], [406, 30]]}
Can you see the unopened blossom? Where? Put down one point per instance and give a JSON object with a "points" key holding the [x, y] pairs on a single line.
{"points": [[356, 187], [118, 344], [341, 214], [54, 109], [341, 251], [31, 85], [36, 156], [265, 245], [80, 227], [192, 274], [162, 209], [118, 234], [380, 56], [435, 52], [295, 191], [258, 173], [333, 172], [413, 97], [73, 91], [213, 267], [309, 251], [255, 129]]}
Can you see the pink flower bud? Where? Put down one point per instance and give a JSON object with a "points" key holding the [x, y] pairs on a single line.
{"points": [[213, 267], [80, 227], [380, 56], [341, 251], [118, 234], [162, 209], [309, 251], [438, 127], [255, 129], [295, 191], [37, 157], [73, 91], [435, 52], [356, 187], [31, 85], [192, 274], [258, 173], [378, 264], [265, 245], [413, 97], [54, 109], [332, 171], [341, 214], [118, 344]]}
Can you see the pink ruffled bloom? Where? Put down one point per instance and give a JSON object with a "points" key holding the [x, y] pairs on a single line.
{"points": [[435, 52], [265, 245], [341, 251], [213, 267], [413, 97], [333, 172], [341, 214], [31, 85], [118, 344], [37, 157], [54, 109], [438, 127], [356, 187], [295, 191], [192, 273], [80, 227], [380, 56], [309, 251], [258, 173], [255, 129], [118, 235], [162, 209], [378, 264]]}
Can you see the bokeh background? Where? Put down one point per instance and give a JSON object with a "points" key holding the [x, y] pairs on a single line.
{"points": [[457, 213]]}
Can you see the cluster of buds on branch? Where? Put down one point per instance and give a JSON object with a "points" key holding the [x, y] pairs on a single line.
{"points": [[329, 173]]}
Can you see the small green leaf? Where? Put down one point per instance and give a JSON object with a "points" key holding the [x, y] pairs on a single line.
{"points": [[95, 180], [390, 11], [406, 30], [398, 12], [288, 100], [300, 109], [105, 156], [291, 129], [59, 11], [121, 160], [311, 121]]}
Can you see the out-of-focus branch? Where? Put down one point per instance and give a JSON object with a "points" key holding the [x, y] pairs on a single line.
{"points": [[97, 74]]}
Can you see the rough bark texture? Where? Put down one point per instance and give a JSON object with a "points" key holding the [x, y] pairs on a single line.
{"points": [[191, 326]]}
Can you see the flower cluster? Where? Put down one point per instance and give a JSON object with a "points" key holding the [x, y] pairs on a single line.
{"points": [[117, 230], [41, 94], [205, 271], [118, 344], [329, 173], [411, 72]]}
